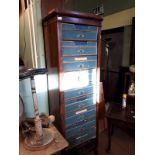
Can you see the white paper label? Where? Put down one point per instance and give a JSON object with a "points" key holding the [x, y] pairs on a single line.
{"points": [[80, 59], [59, 18], [81, 111]]}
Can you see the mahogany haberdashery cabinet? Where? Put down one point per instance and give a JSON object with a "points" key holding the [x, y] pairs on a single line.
{"points": [[72, 43]]}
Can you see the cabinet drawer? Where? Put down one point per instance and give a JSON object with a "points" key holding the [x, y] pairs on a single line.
{"points": [[80, 99], [79, 63], [70, 112], [79, 35], [66, 26], [78, 92], [81, 78], [78, 48], [79, 119], [72, 108], [83, 138], [88, 101], [82, 129]]}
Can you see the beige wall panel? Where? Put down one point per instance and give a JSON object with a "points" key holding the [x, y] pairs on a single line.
{"points": [[119, 19]]}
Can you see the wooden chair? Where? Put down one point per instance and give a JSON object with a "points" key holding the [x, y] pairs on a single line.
{"points": [[102, 125]]}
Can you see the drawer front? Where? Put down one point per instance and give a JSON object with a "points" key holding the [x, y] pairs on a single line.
{"points": [[79, 51], [81, 104], [81, 78], [79, 59], [66, 26], [78, 48], [82, 129], [78, 92], [79, 63], [83, 138], [80, 99], [79, 35], [71, 112], [79, 119]]}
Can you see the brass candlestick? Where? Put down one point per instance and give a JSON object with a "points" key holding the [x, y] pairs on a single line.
{"points": [[42, 137]]}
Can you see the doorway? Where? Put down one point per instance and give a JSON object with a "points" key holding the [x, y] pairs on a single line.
{"points": [[111, 63]]}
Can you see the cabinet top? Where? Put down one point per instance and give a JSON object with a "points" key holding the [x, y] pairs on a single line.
{"points": [[69, 13]]}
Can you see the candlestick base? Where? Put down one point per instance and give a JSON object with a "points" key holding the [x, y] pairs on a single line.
{"points": [[32, 144]]}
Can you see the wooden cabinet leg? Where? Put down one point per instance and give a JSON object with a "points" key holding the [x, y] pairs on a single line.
{"points": [[109, 135], [96, 151], [112, 130]]}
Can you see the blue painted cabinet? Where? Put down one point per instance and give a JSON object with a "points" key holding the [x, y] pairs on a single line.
{"points": [[72, 46]]}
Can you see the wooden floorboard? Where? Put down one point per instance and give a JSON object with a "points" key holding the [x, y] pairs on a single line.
{"points": [[122, 143]]}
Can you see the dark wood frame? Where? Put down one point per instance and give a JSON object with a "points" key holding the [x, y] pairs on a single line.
{"points": [[132, 53], [122, 118]]}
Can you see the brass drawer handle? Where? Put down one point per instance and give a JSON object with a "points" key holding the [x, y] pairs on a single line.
{"points": [[79, 78], [82, 129], [81, 92], [84, 120], [81, 105], [81, 117], [81, 66], [80, 36], [80, 50]]}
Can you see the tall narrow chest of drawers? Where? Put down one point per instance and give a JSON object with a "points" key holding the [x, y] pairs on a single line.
{"points": [[72, 47]]}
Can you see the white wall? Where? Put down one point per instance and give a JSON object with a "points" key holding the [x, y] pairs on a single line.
{"points": [[25, 53]]}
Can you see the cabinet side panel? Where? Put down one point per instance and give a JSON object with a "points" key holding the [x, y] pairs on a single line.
{"points": [[98, 82], [51, 52]]}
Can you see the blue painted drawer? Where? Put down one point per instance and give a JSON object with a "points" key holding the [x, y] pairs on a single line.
{"points": [[66, 26], [80, 99], [72, 108], [78, 48], [79, 35], [79, 92], [82, 129], [79, 63], [79, 119], [71, 112], [81, 104], [83, 138], [81, 78]]}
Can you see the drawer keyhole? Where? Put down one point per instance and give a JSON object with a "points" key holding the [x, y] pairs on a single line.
{"points": [[81, 65], [79, 78]]}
